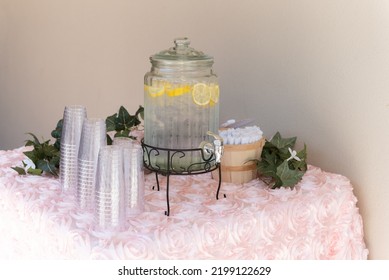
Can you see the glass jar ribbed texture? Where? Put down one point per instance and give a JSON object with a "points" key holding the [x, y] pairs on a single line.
{"points": [[181, 95]]}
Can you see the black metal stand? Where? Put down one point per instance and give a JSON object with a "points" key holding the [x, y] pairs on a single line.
{"points": [[207, 164]]}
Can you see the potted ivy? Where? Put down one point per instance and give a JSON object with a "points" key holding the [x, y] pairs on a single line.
{"points": [[280, 165]]}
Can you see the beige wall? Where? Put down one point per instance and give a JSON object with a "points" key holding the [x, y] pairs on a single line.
{"points": [[318, 70]]}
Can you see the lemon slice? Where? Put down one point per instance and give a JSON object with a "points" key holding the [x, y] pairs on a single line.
{"points": [[154, 91], [178, 91], [214, 89], [201, 94]]}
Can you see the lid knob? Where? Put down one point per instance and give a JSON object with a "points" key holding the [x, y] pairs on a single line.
{"points": [[182, 45]]}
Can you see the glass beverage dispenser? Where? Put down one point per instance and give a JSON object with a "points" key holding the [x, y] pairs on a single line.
{"points": [[181, 95]]}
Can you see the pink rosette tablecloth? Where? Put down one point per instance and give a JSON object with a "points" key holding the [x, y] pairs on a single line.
{"points": [[318, 219]]}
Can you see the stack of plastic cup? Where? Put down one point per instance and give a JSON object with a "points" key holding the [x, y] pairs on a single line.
{"points": [[133, 179], [92, 138], [73, 119], [109, 196]]}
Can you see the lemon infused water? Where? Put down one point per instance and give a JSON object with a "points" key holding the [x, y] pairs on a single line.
{"points": [[181, 95]]}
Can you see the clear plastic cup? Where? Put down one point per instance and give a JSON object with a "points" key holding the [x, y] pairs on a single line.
{"points": [[109, 194], [73, 119], [133, 179], [93, 137]]}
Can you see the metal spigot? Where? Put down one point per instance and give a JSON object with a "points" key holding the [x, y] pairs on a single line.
{"points": [[216, 147]]}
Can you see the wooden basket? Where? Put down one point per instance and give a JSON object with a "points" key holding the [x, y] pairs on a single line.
{"points": [[236, 165]]}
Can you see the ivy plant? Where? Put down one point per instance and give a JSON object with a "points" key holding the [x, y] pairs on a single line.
{"points": [[123, 123], [56, 134], [44, 158], [281, 163]]}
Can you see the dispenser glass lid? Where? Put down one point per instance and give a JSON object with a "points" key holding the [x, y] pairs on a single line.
{"points": [[181, 52]]}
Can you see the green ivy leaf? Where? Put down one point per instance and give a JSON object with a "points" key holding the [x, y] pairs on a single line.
{"points": [[56, 133], [288, 176], [36, 140], [281, 143], [46, 166], [29, 143], [123, 120], [277, 182], [20, 170], [300, 165], [110, 122], [303, 152], [49, 151], [109, 140], [283, 154], [140, 112], [268, 165], [32, 155], [55, 161], [35, 171], [134, 121]]}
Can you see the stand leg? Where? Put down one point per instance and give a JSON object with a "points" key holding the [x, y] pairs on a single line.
{"points": [[220, 181], [167, 212], [156, 178]]}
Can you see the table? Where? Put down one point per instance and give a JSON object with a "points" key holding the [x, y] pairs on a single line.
{"points": [[318, 219]]}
